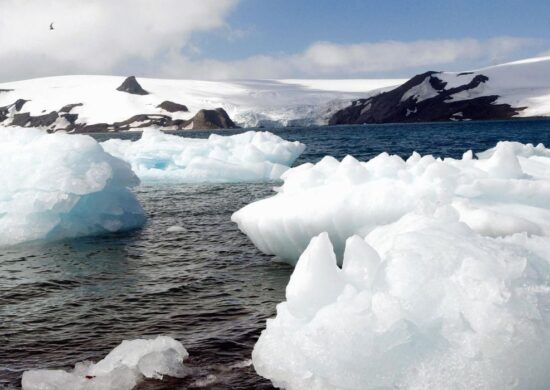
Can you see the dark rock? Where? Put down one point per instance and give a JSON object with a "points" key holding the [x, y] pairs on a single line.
{"points": [[27, 120], [6, 90], [172, 107], [390, 107], [130, 85], [95, 128], [19, 103], [210, 119], [21, 119], [43, 120], [143, 120], [437, 83], [71, 118], [67, 108]]}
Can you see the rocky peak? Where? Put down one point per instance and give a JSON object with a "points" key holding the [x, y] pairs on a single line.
{"points": [[130, 85]]}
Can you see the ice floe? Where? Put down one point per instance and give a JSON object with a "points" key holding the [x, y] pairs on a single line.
{"points": [[245, 157], [56, 186], [421, 303], [505, 191], [122, 369]]}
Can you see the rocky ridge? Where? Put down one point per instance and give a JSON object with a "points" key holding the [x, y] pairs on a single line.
{"points": [[427, 97]]}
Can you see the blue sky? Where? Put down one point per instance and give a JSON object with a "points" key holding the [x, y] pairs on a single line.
{"points": [[288, 26], [235, 39]]}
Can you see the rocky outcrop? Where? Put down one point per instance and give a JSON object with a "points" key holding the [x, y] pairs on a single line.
{"points": [[68, 107], [172, 107], [143, 120], [27, 120], [426, 98], [210, 119], [64, 119], [130, 85]]}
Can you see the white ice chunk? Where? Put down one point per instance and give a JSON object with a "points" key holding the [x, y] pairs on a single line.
{"points": [[122, 369], [428, 303], [245, 157], [55, 186], [175, 229], [505, 191]]}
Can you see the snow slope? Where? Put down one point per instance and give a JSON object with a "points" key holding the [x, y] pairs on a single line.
{"points": [[522, 83], [250, 103]]}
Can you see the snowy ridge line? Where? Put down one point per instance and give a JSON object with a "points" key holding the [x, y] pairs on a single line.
{"points": [[246, 157], [95, 101], [512, 90]]}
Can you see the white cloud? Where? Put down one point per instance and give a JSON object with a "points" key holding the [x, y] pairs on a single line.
{"points": [[153, 38], [325, 59], [96, 36]]}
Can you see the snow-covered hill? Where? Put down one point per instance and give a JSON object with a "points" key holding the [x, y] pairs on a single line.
{"points": [[250, 103], [515, 89], [93, 103]]}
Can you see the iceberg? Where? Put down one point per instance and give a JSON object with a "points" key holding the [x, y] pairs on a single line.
{"points": [[56, 186], [424, 302], [503, 192], [247, 157], [122, 369]]}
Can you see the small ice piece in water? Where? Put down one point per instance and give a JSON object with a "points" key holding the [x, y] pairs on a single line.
{"points": [[246, 157], [56, 186], [122, 369], [176, 229]]}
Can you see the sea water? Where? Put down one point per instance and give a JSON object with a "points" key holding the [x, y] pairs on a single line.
{"points": [[203, 283]]}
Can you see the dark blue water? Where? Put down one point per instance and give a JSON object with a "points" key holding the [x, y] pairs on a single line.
{"points": [[65, 302]]}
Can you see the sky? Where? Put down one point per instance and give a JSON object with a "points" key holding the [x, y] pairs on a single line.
{"points": [[244, 39]]}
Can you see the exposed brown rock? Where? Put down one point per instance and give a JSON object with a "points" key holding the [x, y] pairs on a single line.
{"points": [[68, 107], [210, 119], [172, 107], [130, 85]]}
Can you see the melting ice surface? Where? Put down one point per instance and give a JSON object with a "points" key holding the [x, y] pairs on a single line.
{"points": [[246, 157], [505, 191], [422, 303], [55, 186], [444, 279], [122, 369]]}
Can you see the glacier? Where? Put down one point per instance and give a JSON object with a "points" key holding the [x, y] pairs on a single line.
{"points": [[122, 369], [503, 192], [246, 157], [57, 186]]}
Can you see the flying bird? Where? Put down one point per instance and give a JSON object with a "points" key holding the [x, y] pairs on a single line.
{"points": [[51, 26]]}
